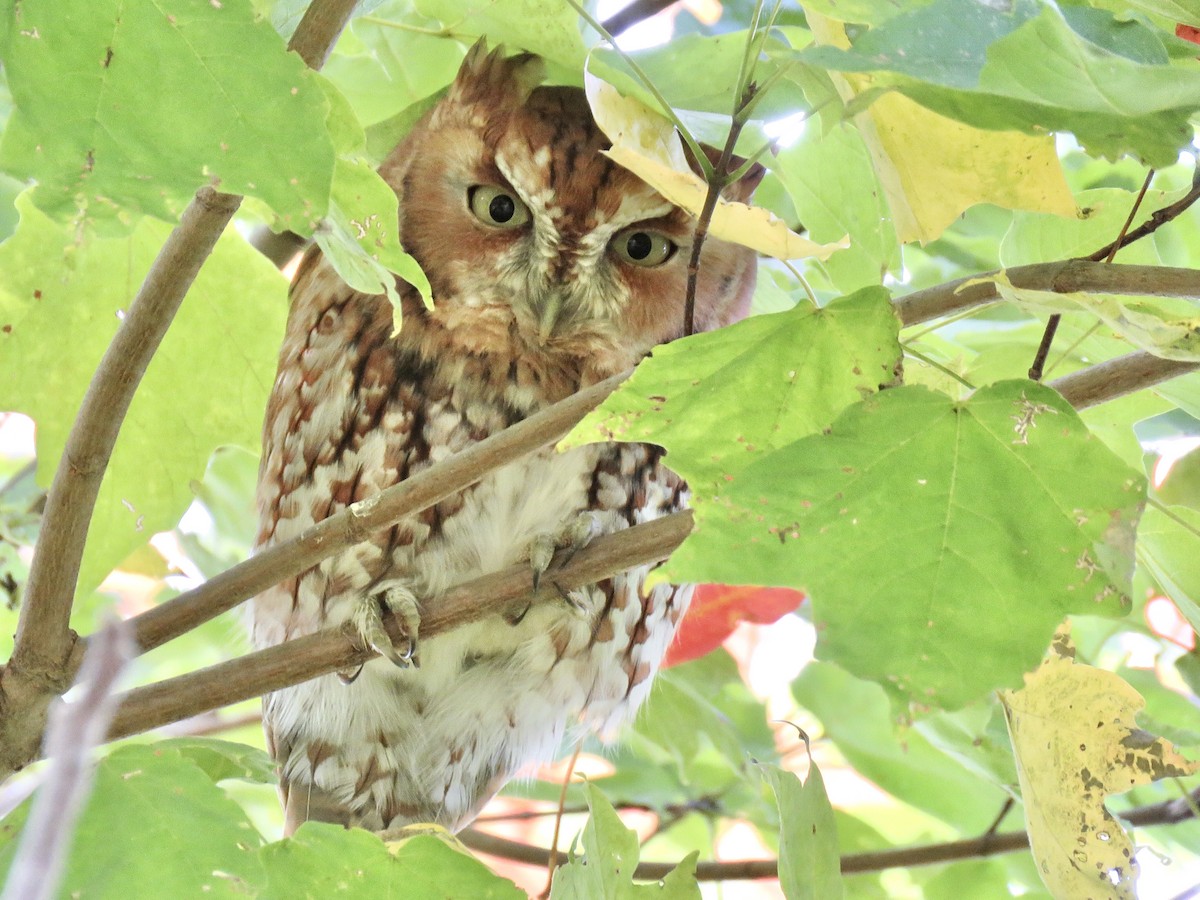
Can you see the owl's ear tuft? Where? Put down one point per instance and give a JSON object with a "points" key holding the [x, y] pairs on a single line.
{"points": [[497, 81]]}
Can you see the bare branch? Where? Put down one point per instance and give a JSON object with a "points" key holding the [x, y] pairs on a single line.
{"points": [[318, 31], [1157, 219], [43, 640], [279, 248], [336, 649], [42, 661], [75, 730], [359, 521], [636, 12], [1167, 813], [1074, 275], [1118, 377]]}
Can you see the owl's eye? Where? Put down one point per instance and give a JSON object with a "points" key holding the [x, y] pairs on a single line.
{"points": [[497, 207], [643, 248]]}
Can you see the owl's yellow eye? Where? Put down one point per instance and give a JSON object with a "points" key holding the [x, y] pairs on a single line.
{"points": [[640, 247], [497, 207]]}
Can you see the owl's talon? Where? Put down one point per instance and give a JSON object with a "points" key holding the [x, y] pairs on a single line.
{"points": [[578, 600], [399, 601], [576, 534], [541, 553]]}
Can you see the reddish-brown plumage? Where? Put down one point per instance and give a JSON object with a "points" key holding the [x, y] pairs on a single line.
{"points": [[524, 315]]}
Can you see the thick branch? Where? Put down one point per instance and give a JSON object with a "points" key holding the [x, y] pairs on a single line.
{"points": [[336, 649], [1118, 377], [43, 640], [318, 30], [358, 522], [1074, 275], [1165, 813], [42, 663]]}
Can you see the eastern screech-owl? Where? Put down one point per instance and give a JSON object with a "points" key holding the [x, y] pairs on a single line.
{"points": [[552, 268]]}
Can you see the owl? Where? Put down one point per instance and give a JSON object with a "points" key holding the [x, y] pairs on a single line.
{"points": [[552, 269]]}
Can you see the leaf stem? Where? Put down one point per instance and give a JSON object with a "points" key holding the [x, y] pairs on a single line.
{"points": [[929, 361]]}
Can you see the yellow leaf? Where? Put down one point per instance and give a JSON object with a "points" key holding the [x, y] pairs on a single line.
{"points": [[1076, 740], [646, 144], [933, 168]]}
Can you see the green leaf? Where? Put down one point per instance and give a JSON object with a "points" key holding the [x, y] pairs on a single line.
{"points": [[206, 386], [605, 869], [809, 867], [672, 67], [361, 237], [824, 176], [906, 766], [322, 860], [1165, 326], [548, 28], [1168, 546], [1036, 68], [706, 698], [154, 826], [992, 517], [721, 400], [1041, 237], [385, 62], [220, 760], [228, 106]]}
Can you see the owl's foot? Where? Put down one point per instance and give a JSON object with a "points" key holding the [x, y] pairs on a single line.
{"points": [[396, 600], [575, 534]]}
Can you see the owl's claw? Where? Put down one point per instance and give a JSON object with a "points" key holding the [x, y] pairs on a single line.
{"points": [[399, 601], [576, 534]]}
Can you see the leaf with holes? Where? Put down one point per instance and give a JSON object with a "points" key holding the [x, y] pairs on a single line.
{"points": [[1076, 739]]}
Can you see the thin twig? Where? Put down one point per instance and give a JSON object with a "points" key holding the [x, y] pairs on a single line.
{"points": [[1166, 813], [552, 856], [715, 183], [75, 730], [635, 13], [1157, 220], [337, 649], [1043, 350]]}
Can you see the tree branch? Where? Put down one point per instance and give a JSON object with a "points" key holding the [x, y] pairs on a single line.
{"points": [[1168, 812], [41, 663], [636, 12], [359, 521], [76, 729], [1117, 377], [337, 649], [43, 640], [273, 669], [1075, 275]]}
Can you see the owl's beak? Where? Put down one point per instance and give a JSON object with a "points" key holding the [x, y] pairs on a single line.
{"points": [[549, 319]]}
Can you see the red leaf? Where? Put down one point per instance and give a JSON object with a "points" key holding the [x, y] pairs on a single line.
{"points": [[718, 608], [1188, 33]]}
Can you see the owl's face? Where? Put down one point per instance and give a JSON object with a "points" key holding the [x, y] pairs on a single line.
{"points": [[537, 244]]}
